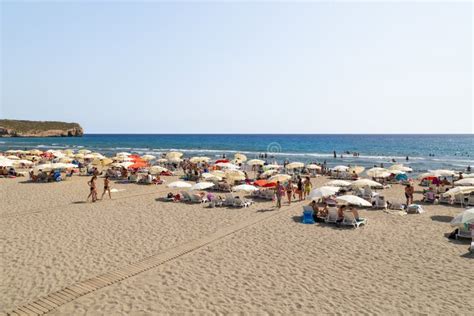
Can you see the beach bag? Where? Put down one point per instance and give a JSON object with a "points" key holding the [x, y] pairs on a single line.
{"points": [[415, 209]]}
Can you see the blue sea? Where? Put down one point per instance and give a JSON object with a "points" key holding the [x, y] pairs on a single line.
{"points": [[424, 151]]}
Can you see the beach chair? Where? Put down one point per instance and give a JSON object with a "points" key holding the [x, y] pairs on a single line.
{"points": [[308, 214], [471, 249], [470, 199], [459, 199], [378, 201], [332, 215], [350, 220], [464, 233]]}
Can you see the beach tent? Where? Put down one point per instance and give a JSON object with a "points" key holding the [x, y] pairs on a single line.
{"points": [[353, 200]]}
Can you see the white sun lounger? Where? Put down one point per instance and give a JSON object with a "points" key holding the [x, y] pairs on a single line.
{"points": [[350, 220], [332, 215]]}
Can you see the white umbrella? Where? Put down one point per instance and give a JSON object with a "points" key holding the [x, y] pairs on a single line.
{"points": [[279, 177], [23, 162], [463, 182], [378, 172], [269, 173], [148, 157], [234, 175], [124, 164], [295, 165], [175, 159], [157, 169], [400, 167], [12, 157], [218, 173], [89, 156], [338, 183], [202, 186], [210, 177], [6, 163], [174, 154], [443, 172], [254, 162], [313, 167], [179, 185], [366, 182], [272, 166], [227, 165], [240, 157], [199, 159], [466, 217], [162, 160], [321, 192], [245, 187], [84, 151], [122, 154], [55, 166], [353, 200], [395, 171], [357, 169], [340, 168], [468, 175], [458, 190], [35, 152]]}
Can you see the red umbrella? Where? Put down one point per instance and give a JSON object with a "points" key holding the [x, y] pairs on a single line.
{"points": [[264, 184], [222, 160], [138, 165]]}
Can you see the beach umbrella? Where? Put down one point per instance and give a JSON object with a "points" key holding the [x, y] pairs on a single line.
{"points": [[321, 192], [162, 160], [338, 183], [313, 167], [89, 156], [174, 155], [35, 152], [11, 157], [124, 164], [148, 157], [361, 183], [353, 200], [378, 173], [66, 159], [395, 171], [269, 173], [401, 176], [202, 186], [340, 168], [279, 177], [84, 151], [295, 165], [234, 175], [255, 162], [199, 159], [356, 169], [264, 184], [22, 162], [6, 163], [458, 190], [218, 173], [157, 169], [400, 167], [179, 185], [54, 166], [245, 187], [466, 217], [240, 157], [210, 177], [465, 182], [122, 154], [468, 175], [175, 160], [443, 172], [79, 156], [227, 165], [272, 166], [11, 151]]}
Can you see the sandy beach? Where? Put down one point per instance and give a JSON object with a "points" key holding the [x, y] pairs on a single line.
{"points": [[267, 262]]}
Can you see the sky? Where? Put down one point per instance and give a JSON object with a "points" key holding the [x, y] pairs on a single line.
{"points": [[248, 67]]}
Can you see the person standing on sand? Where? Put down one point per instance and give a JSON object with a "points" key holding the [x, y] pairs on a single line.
{"points": [[279, 191], [409, 190], [289, 191], [93, 189], [106, 187], [307, 187]]}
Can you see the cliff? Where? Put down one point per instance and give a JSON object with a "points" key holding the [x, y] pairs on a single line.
{"points": [[17, 128]]}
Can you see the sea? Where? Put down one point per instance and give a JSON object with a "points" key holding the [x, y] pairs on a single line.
{"points": [[424, 152]]}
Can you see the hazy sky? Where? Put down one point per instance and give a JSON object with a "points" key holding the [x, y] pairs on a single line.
{"points": [[240, 68]]}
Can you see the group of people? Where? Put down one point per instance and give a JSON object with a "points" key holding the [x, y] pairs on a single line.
{"points": [[93, 188], [302, 189]]}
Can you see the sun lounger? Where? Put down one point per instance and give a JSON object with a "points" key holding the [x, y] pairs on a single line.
{"points": [[460, 199], [308, 214], [332, 215], [470, 199], [350, 220], [464, 233]]}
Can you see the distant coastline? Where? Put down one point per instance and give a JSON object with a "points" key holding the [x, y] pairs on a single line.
{"points": [[23, 128]]}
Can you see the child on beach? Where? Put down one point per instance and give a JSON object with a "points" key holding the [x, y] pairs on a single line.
{"points": [[93, 189]]}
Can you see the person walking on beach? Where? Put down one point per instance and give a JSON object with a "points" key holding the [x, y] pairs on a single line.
{"points": [[279, 191], [289, 191], [93, 189], [409, 190], [106, 187], [307, 187], [300, 188]]}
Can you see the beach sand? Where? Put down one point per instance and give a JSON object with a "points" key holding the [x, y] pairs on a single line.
{"points": [[396, 264]]}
